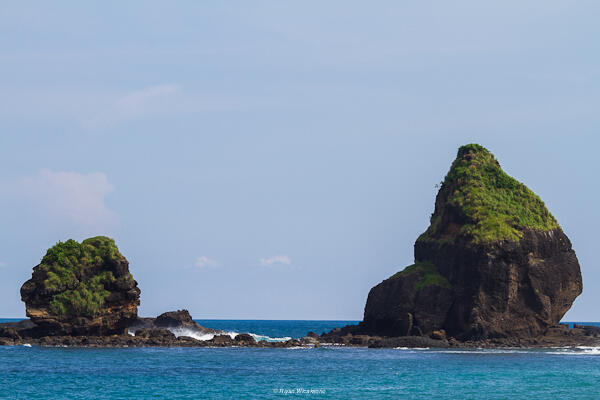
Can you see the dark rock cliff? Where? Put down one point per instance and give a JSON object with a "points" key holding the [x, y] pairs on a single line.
{"points": [[82, 289], [493, 263]]}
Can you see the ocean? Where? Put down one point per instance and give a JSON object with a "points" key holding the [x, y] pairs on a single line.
{"points": [[323, 373]]}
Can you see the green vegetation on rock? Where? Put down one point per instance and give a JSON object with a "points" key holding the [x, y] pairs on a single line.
{"points": [[77, 286], [481, 202], [86, 299], [428, 273]]}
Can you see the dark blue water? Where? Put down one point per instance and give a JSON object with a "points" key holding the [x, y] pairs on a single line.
{"points": [[274, 328], [337, 373]]}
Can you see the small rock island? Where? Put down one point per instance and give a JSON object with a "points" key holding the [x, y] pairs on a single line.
{"points": [[82, 289], [493, 269], [83, 294]]}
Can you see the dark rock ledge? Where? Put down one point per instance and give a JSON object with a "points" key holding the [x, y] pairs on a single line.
{"points": [[144, 332], [150, 332], [556, 336]]}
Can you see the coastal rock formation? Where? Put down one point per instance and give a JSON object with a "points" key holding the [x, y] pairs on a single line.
{"points": [[179, 319], [170, 329], [493, 263], [178, 322], [82, 289]]}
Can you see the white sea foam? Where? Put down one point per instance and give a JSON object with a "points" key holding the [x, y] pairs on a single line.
{"points": [[269, 339], [411, 348], [576, 351], [482, 351], [26, 345], [569, 351], [199, 335]]}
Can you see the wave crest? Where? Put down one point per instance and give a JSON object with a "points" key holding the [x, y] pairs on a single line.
{"points": [[201, 335]]}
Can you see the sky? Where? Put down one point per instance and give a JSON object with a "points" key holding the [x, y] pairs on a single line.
{"points": [[277, 159]]}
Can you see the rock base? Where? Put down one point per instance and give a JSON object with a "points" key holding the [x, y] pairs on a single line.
{"points": [[24, 332], [145, 338], [556, 336]]}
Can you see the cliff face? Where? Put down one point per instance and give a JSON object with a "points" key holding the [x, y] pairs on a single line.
{"points": [[493, 263], [82, 289]]}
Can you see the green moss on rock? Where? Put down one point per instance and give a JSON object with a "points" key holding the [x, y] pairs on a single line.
{"points": [[75, 277], [479, 201], [428, 273]]}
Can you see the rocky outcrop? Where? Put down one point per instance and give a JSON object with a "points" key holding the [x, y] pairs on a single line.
{"points": [[494, 263], [150, 335], [555, 336], [19, 333], [81, 289], [178, 319], [179, 322]]}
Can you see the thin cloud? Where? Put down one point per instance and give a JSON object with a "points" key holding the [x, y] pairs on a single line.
{"points": [[275, 260], [138, 102], [2, 264], [69, 196], [150, 101], [205, 262]]}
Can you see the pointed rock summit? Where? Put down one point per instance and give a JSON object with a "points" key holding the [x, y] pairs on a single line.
{"points": [[493, 262]]}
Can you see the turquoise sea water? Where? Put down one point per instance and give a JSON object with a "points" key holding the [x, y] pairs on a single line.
{"points": [[275, 329], [335, 373]]}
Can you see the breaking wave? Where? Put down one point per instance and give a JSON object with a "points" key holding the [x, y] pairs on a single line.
{"points": [[200, 335], [411, 348], [576, 351], [258, 338]]}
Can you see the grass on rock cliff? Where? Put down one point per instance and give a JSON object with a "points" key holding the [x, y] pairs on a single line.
{"points": [[491, 205], [429, 275], [68, 265]]}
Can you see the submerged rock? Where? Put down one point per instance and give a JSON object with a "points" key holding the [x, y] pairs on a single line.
{"points": [[493, 263], [245, 339], [82, 289]]}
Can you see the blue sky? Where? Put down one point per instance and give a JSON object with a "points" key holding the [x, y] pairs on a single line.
{"points": [[275, 160]]}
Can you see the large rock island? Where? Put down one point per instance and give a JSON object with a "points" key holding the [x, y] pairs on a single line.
{"points": [[494, 263]]}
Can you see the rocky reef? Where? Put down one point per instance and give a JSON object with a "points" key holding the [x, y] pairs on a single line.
{"points": [[559, 335], [494, 263], [82, 294], [179, 322], [81, 289], [170, 329]]}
